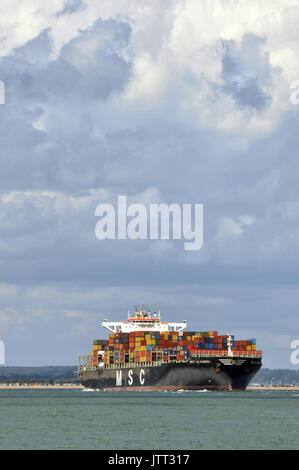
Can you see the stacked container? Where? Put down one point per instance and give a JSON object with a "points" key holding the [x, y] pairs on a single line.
{"points": [[249, 345], [98, 346], [143, 346]]}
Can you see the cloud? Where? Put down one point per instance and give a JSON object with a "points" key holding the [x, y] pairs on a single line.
{"points": [[229, 228], [175, 103], [72, 6], [89, 66], [10, 318], [49, 105], [246, 72], [97, 56]]}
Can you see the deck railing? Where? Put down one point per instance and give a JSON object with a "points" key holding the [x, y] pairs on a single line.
{"points": [[86, 363]]}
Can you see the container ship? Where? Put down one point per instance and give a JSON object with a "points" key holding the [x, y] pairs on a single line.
{"points": [[145, 353]]}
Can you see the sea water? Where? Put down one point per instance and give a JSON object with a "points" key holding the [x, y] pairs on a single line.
{"points": [[81, 419]]}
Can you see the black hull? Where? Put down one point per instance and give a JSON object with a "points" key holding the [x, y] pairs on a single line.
{"points": [[205, 373]]}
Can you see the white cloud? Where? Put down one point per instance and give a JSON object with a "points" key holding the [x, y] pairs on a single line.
{"points": [[177, 52], [228, 228], [246, 219], [10, 318]]}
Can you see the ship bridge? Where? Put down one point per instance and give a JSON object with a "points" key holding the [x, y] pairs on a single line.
{"points": [[143, 320]]}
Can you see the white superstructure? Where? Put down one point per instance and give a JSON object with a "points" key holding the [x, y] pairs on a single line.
{"points": [[143, 320]]}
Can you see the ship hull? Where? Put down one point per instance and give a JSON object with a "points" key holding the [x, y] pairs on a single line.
{"points": [[202, 374]]}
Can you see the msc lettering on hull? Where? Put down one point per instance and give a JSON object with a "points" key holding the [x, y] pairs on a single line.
{"points": [[119, 378], [141, 377], [130, 377]]}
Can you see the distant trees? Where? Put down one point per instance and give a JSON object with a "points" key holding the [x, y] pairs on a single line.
{"points": [[48, 374], [277, 377]]}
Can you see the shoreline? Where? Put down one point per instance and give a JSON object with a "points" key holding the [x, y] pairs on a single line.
{"points": [[293, 388], [41, 387], [81, 387]]}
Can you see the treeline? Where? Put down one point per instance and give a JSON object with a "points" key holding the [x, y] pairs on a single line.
{"points": [[277, 377], [50, 374]]}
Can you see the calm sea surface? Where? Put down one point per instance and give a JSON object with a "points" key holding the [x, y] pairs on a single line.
{"points": [[77, 419]]}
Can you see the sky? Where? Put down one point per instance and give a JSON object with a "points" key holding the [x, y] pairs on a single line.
{"points": [[177, 101]]}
